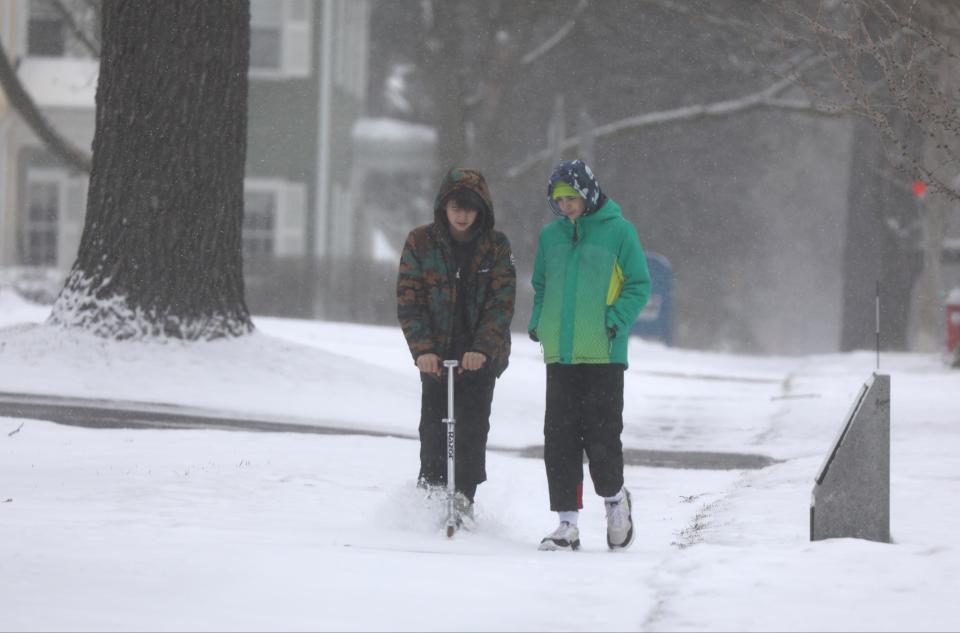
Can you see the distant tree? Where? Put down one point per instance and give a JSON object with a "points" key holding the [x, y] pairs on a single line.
{"points": [[458, 63], [895, 63], [518, 84], [493, 75], [886, 64], [465, 63], [160, 253]]}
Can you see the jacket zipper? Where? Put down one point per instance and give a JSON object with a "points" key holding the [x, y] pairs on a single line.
{"points": [[452, 284], [576, 238]]}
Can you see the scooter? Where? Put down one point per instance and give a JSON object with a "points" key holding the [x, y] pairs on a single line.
{"points": [[453, 515]]}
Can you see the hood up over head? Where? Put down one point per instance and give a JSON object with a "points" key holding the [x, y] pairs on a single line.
{"points": [[578, 175], [469, 180]]}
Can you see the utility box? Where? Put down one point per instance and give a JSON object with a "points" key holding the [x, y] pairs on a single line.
{"points": [[851, 496], [655, 322], [953, 321]]}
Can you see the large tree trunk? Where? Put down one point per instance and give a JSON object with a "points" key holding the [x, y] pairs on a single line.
{"points": [[446, 74], [161, 248], [875, 251], [928, 310]]}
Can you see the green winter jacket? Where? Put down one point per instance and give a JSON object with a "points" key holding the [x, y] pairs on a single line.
{"points": [[590, 282]]}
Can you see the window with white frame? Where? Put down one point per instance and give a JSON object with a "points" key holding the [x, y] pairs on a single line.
{"points": [[274, 220], [266, 31], [52, 210], [280, 38], [45, 30], [259, 222], [61, 29], [42, 218]]}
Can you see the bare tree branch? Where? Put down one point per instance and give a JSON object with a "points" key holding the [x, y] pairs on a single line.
{"points": [[765, 98], [24, 105], [905, 44], [697, 13], [557, 37], [75, 28]]}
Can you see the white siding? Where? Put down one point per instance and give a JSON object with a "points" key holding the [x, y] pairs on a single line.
{"points": [[74, 196], [296, 37], [292, 221]]}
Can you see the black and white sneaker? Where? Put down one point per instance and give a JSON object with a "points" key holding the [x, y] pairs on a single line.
{"points": [[565, 537], [619, 522]]}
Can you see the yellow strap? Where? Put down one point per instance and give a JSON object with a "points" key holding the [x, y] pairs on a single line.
{"points": [[616, 284]]}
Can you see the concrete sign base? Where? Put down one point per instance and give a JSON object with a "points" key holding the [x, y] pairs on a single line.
{"points": [[851, 497]]}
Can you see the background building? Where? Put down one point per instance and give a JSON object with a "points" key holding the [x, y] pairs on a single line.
{"points": [[308, 67]]}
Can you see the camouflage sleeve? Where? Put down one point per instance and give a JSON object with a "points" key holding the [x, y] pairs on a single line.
{"points": [[411, 302], [497, 311], [539, 283]]}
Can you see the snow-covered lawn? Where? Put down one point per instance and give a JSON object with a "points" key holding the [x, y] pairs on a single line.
{"points": [[220, 530]]}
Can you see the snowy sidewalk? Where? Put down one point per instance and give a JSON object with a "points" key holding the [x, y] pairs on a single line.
{"points": [[111, 529]]}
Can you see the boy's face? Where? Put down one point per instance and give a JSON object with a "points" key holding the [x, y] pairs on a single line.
{"points": [[572, 207], [461, 220]]}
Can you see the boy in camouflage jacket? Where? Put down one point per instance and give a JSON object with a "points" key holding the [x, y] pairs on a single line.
{"points": [[455, 299]]}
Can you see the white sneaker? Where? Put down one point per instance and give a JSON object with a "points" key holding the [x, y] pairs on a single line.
{"points": [[565, 537], [619, 522], [465, 511]]}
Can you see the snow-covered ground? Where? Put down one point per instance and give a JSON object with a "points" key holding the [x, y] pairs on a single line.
{"points": [[224, 530]]}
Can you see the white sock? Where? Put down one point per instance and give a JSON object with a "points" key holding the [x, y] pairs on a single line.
{"points": [[617, 498], [570, 517]]}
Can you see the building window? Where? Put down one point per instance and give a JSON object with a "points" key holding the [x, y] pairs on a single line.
{"points": [[259, 225], [62, 29], [45, 30], [43, 213], [266, 29], [274, 221], [280, 38]]}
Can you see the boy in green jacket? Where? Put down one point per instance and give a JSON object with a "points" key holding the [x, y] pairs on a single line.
{"points": [[590, 282]]}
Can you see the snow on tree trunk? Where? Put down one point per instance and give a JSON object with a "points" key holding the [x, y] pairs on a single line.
{"points": [[161, 248]]}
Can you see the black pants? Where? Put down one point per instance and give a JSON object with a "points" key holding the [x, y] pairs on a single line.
{"points": [[473, 393], [584, 413]]}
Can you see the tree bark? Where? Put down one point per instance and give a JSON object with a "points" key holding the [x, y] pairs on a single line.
{"points": [[161, 248], [874, 252]]}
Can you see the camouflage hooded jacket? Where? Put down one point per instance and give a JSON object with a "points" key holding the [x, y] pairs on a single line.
{"points": [[427, 286]]}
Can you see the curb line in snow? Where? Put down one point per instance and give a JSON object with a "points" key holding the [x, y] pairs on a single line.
{"points": [[116, 414]]}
